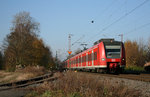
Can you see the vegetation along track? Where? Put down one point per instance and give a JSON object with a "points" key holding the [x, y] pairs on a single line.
{"points": [[25, 83], [133, 76]]}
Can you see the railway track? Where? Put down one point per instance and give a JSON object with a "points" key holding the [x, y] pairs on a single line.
{"points": [[132, 76], [25, 83], [139, 77]]}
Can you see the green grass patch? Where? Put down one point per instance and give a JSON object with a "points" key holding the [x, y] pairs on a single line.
{"points": [[134, 69], [33, 94]]}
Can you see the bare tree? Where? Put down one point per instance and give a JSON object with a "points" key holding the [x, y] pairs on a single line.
{"points": [[136, 53], [131, 52], [22, 46]]}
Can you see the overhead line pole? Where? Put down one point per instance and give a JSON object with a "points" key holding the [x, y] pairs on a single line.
{"points": [[69, 44], [121, 35]]}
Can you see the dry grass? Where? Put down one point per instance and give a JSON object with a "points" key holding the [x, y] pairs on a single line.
{"points": [[80, 85], [21, 74], [37, 70]]}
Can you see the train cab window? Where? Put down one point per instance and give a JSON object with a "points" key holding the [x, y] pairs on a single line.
{"points": [[113, 51]]}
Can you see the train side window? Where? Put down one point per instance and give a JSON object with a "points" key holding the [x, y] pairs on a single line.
{"points": [[92, 56], [79, 59], [76, 61], [86, 57], [89, 57], [83, 59]]}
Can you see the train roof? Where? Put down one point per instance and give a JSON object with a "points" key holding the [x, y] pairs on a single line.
{"points": [[108, 41]]}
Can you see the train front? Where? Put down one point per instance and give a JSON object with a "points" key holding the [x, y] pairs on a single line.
{"points": [[114, 54]]}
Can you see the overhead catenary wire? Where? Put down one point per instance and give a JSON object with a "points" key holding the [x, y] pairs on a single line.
{"points": [[112, 13], [107, 8], [119, 19], [142, 26], [77, 41]]}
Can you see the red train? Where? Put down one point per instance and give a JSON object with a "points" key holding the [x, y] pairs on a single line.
{"points": [[106, 55]]}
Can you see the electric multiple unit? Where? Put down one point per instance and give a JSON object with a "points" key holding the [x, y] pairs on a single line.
{"points": [[106, 54]]}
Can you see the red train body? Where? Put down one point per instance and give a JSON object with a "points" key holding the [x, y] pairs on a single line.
{"points": [[106, 54]]}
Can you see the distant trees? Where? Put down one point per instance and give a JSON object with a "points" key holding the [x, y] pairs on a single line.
{"points": [[23, 47], [1, 60], [137, 53]]}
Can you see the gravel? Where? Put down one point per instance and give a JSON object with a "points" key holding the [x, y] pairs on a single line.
{"points": [[143, 87]]}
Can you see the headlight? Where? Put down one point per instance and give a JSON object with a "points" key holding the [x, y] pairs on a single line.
{"points": [[103, 59], [123, 59]]}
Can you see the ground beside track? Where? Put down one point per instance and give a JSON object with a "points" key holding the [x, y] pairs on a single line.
{"points": [[22, 74], [7, 90], [87, 84], [140, 82]]}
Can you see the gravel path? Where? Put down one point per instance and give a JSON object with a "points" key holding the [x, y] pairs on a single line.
{"points": [[14, 93]]}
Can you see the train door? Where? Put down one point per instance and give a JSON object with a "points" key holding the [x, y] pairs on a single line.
{"points": [[76, 62], [84, 59], [81, 60], [79, 64], [90, 58], [95, 60]]}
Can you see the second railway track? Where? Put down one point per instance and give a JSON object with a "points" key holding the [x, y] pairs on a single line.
{"points": [[28, 82]]}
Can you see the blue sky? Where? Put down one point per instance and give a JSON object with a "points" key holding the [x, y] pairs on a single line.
{"points": [[58, 18]]}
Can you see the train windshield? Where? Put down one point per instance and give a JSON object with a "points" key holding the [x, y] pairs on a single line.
{"points": [[113, 51]]}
